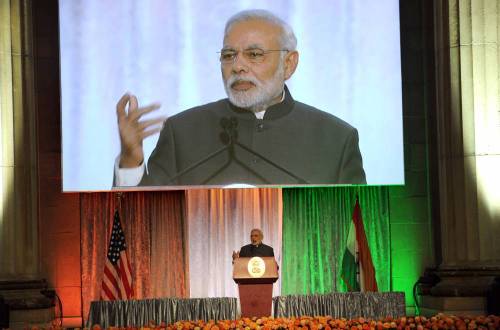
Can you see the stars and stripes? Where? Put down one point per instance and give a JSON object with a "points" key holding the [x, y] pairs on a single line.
{"points": [[117, 278]]}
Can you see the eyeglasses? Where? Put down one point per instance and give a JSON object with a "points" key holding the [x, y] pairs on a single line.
{"points": [[253, 55]]}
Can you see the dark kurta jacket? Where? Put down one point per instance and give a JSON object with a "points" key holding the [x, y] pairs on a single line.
{"points": [[313, 145], [262, 250]]}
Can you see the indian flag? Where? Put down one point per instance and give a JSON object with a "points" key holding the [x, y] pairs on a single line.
{"points": [[357, 253]]}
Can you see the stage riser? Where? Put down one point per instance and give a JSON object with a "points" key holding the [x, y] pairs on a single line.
{"points": [[372, 305]]}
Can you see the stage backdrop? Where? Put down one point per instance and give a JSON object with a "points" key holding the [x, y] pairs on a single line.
{"points": [[220, 222], [180, 243], [315, 228], [154, 228]]}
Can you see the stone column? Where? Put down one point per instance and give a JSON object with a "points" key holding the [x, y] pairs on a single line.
{"points": [[467, 36], [19, 253], [18, 193]]}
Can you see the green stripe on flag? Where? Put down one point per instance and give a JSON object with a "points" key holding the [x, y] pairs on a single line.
{"points": [[349, 268]]}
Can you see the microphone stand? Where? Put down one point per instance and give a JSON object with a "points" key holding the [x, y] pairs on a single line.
{"points": [[231, 134], [267, 160], [230, 137], [198, 163]]}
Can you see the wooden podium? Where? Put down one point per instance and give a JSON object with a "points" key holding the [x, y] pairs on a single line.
{"points": [[255, 277]]}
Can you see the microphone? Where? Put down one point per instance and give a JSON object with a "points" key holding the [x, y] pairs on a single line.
{"points": [[234, 122], [233, 128], [230, 132], [224, 123], [224, 135]]}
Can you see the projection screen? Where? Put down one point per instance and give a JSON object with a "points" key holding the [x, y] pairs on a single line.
{"points": [[166, 52]]}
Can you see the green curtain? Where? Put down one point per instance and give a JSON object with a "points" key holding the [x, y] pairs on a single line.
{"points": [[315, 228]]}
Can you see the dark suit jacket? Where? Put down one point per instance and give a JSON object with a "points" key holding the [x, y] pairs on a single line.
{"points": [[261, 250], [312, 144]]}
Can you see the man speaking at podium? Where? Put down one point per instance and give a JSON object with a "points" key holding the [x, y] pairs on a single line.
{"points": [[258, 135], [255, 291], [256, 248]]}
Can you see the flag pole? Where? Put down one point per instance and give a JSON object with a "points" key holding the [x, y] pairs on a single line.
{"points": [[119, 198], [356, 249]]}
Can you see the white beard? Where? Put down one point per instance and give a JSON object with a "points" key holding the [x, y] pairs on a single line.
{"points": [[261, 96]]}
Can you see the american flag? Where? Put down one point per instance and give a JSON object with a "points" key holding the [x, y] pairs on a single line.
{"points": [[117, 279]]}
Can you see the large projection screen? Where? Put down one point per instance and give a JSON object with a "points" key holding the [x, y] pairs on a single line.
{"points": [[166, 51]]}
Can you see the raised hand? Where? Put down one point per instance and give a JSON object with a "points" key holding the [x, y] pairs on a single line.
{"points": [[133, 131]]}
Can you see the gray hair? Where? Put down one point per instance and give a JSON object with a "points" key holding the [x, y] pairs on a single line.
{"points": [[257, 230], [288, 40]]}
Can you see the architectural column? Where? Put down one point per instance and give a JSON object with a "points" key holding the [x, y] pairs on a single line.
{"points": [[18, 194], [19, 253], [468, 152], [469, 134]]}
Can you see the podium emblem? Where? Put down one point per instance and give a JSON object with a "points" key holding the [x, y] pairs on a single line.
{"points": [[256, 267]]}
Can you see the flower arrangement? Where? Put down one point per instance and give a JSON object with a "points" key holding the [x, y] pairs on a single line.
{"points": [[440, 321]]}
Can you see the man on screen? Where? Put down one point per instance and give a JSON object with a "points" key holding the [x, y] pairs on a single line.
{"points": [[258, 135], [256, 248]]}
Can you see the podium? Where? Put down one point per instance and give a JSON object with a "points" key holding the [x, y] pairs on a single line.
{"points": [[255, 277]]}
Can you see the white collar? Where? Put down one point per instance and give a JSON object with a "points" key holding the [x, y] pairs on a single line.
{"points": [[260, 114]]}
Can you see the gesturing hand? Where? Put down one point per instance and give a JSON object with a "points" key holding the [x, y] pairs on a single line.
{"points": [[133, 131]]}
